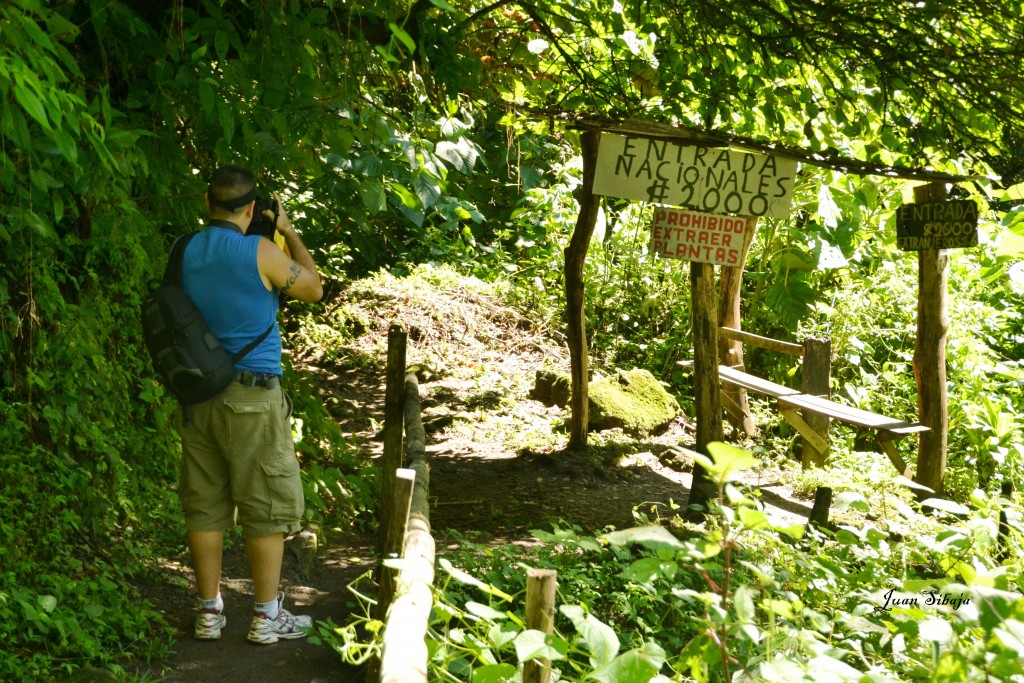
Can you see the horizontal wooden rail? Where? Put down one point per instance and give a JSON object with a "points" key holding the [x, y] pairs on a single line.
{"points": [[753, 383], [404, 655], [761, 342]]}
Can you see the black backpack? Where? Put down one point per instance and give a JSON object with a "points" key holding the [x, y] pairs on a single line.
{"points": [[189, 358]]}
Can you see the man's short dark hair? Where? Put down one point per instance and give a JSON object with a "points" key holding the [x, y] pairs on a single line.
{"points": [[231, 187]]}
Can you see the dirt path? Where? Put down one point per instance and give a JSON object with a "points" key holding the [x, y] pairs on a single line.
{"points": [[498, 470], [319, 592]]}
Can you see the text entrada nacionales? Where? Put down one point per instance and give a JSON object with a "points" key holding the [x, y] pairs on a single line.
{"points": [[713, 180]]}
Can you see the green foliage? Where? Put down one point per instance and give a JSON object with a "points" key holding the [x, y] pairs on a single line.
{"points": [[396, 135], [743, 594], [100, 131], [83, 458], [857, 77], [340, 486]]}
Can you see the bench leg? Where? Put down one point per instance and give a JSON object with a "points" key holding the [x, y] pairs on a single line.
{"points": [[732, 408], [815, 446], [885, 440]]}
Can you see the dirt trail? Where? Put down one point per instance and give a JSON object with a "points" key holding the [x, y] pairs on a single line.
{"points": [[497, 468]]}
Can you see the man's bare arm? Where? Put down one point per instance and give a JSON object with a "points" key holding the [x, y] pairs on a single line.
{"points": [[297, 276]]}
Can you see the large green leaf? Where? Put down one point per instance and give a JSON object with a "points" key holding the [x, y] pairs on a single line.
{"points": [[32, 105], [600, 638], [495, 673], [653, 537], [791, 298], [534, 644], [635, 666], [373, 194], [426, 188]]}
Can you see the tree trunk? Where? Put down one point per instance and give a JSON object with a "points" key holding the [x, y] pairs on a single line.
{"points": [[394, 401], [575, 255], [930, 354]]}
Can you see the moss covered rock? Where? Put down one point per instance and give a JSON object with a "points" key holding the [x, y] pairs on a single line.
{"points": [[552, 388], [631, 399]]}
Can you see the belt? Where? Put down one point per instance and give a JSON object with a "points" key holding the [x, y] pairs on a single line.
{"points": [[267, 380]]}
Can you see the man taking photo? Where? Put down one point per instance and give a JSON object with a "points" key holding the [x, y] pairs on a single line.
{"points": [[237, 448]]}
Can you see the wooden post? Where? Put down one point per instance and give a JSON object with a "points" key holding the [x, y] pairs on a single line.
{"points": [[404, 652], [731, 350], [403, 645], [817, 370], [540, 616], [575, 255], [1003, 537], [393, 408], [930, 354], [707, 396], [394, 537], [822, 503]]}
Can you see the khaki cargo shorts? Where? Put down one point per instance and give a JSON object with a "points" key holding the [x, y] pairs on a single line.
{"points": [[237, 452]]}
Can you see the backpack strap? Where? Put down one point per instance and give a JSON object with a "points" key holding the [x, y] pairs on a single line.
{"points": [[175, 262], [251, 345], [172, 275]]}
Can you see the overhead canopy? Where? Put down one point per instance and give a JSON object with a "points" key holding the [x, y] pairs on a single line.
{"points": [[698, 136]]}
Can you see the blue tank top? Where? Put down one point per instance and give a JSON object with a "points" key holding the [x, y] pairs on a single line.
{"points": [[221, 276]]}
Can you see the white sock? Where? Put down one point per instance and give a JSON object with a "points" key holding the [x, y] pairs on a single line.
{"points": [[216, 604], [271, 609]]}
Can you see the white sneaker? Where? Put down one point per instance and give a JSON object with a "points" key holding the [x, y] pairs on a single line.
{"points": [[208, 624], [265, 630]]}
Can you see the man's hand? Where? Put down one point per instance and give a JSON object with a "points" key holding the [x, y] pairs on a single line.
{"points": [[296, 278], [282, 223]]}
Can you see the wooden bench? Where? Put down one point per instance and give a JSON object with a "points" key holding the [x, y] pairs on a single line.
{"points": [[790, 401]]}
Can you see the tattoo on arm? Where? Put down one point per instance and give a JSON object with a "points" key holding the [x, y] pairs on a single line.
{"points": [[296, 271]]}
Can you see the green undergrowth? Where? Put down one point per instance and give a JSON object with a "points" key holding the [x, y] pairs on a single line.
{"points": [[742, 596]]}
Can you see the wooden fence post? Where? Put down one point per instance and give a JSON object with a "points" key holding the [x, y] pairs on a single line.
{"points": [[394, 536], [393, 411], [930, 354], [404, 655], [822, 503], [729, 315], [540, 616], [1003, 537], [817, 371], [707, 392], [575, 304]]}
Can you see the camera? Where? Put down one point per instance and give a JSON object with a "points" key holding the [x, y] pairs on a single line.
{"points": [[261, 225]]}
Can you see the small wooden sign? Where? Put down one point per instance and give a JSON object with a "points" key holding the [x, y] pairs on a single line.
{"points": [[937, 225], [694, 236]]}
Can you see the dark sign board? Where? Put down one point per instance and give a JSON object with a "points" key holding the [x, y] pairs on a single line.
{"points": [[937, 225]]}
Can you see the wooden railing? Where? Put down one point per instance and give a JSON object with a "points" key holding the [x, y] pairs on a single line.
{"points": [[816, 355], [405, 597]]}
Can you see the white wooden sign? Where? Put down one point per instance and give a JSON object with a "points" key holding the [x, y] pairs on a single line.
{"points": [[709, 179], [696, 236]]}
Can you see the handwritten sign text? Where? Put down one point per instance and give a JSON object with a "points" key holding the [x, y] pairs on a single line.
{"points": [[714, 180], [695, 236]]}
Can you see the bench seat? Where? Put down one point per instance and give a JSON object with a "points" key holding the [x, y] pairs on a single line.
{"points": [[854, 416], [754, 383], [791, 400]]}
